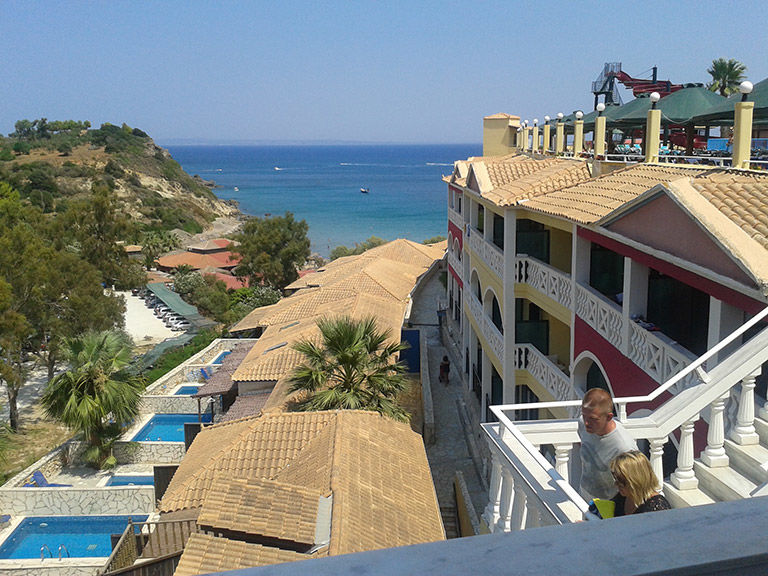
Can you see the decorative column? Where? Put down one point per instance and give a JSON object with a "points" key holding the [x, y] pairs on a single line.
{"points": [[508, 304], [519, 509], [742, 128], [657, 453], [599, 133], [684, 478], [578, 134], [559, 134], [507, 495], [547, 137], [562, 456], [653, 127], [744, 431], [491, 513], [535, 143], [714, 455]]}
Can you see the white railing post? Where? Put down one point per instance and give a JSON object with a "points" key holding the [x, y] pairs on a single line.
{"points": [[505, 507], [684, 477], [714, 455], [562, 456], [744, 431], [491, 514], [657, 452], [519, 509]]}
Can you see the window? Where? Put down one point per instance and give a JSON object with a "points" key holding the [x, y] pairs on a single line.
{"points": [[480, 218]]}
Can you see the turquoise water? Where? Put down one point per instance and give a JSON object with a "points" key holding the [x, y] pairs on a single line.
{"points": [[166, 427], [126, 480], [321, 184], [83, 536]]}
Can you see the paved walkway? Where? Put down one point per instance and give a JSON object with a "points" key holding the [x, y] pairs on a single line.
{"points": [[449, 453]]}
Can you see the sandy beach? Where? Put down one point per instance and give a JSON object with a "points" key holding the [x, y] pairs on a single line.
{"points": [[141, 323]]}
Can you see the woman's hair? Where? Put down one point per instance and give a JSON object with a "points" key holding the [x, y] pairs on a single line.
{"points": [[634, 470]]}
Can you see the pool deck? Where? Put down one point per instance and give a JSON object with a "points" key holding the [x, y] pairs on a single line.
{"points": [[89, 478]]}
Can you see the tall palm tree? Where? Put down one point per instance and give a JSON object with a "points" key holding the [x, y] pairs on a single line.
{"points": [[97, 396], [353, 367], [726, 75]]}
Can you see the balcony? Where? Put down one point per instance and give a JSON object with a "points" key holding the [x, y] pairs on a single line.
{"points": [[527, 490], [456, 217], [488, 330], [544, 278], [557, 382], [488, 252], [455, 262]]}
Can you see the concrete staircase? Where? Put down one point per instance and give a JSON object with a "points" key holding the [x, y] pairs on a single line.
{"points": [[450, 521]]}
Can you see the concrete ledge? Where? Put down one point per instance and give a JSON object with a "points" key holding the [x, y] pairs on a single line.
{"points": [[469, 524]]}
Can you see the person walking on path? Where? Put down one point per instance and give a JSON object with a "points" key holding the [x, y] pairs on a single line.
{"points": [[445, 370]]}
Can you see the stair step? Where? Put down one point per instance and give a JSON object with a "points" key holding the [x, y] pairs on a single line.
{"points": [[722, 484], [748, 460], [761, 426], [450, 521], [685, 498]]}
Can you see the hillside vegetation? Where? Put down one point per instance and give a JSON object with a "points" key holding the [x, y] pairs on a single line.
{"points": [[53, 164]]}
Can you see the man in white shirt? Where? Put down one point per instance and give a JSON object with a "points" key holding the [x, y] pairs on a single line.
{"points": [[602, 439]]}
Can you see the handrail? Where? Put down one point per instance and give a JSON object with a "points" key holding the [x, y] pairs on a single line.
{"points": [[65, 550], [623, 401]]}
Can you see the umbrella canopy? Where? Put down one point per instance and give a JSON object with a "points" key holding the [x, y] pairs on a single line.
{"points": [[722, 112], [610, 112], [678, 108], [637, 108]]}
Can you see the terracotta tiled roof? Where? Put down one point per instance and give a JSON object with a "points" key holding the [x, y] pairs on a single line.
{"points": [[285, 511], [373, 468], [214, 245], [592, 200], [204, 554], [245, 406], [199, 261]]}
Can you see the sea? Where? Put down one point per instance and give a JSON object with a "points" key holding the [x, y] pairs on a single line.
{"points": [[322, 184]]}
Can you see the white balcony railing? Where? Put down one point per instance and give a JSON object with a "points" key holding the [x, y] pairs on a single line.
{"points": [[488, 253], [659, 359], [456, 217], [519, 467], [455, 263], [601, 314], [545, 278], [557, 382], [487, 328]]}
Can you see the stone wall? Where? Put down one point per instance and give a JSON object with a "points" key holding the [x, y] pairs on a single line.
{"points": [[77, 501], [170, 405], [52, 567], [155, 452]]}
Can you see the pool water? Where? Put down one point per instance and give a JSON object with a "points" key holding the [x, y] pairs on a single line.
{"points": [[83, 536], [131, 481], [167, 427], [220, 358], [186, 390]]}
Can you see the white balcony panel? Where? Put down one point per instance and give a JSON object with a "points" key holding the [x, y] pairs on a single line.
{"points": [[545, 278], [601, 314], [548, 374], [659, 359], [456, 218], [489, 331], [455, 263], [488, 253]]}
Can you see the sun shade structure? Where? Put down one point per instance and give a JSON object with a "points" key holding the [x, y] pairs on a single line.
{"points": [[678, 108], [611, 111], [722, 112]]}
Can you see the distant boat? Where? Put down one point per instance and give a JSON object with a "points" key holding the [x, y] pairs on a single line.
{"points": [[365, 190], [278, 168], [237, 189]]}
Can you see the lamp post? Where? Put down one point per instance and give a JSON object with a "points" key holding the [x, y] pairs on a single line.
{"points": [[559, 134], [653, 127], [742, 127], [600, 132], [578, 134], [535, 144], [547, 138]]}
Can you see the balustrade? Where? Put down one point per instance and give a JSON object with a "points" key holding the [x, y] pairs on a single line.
{"points": [[456, 217], [489, 253], [546, 279], [547, 373], [601, 314], [455, 263], [489, 331]]}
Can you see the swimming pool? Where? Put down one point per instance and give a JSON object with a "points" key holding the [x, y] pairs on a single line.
{"points": [[186, 390], [166, 427], [220, 358], [83, 536], [133, 480]]}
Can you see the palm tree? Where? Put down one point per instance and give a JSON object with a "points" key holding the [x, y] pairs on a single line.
{"points": [[353, 367], [97, 396], [726, 75]]}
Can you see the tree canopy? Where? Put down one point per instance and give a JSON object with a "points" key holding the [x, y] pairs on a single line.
{"points": [[726, 75], [358, 248], [353, 367], [272, 250]]}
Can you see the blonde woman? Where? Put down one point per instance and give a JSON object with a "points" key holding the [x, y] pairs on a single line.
{"points": [[636, 483]]}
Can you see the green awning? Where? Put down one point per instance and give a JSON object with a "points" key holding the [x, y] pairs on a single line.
{"points": [[722, 112], [679, 108], [610, 112]]}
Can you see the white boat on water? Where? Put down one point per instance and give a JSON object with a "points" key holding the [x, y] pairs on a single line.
{"points": [[365, 190], [278, 168], [237, 189]]}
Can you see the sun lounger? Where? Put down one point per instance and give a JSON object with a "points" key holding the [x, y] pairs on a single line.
{"points": [[40, 481]]}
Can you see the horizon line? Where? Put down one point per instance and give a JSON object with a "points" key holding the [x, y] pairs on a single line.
{"points": [[215, 142]]}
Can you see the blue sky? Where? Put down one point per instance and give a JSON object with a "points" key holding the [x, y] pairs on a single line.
{"points": [[347, 71]]}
